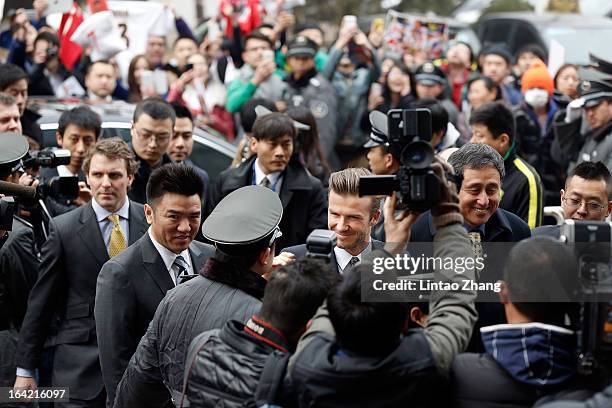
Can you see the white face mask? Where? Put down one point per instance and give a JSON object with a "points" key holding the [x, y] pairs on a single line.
{"points": [[536, 97]]}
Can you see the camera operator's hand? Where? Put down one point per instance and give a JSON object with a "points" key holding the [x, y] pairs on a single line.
{"points": [[282, 259], [345, 36], [397, 226], [84, 194], [263, 72], [28, 181], [446, 211], [25, 383]]}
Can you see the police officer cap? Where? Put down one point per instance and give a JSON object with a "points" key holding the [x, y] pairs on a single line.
{"points": [[429, 75], [594, 87], [600, 64], [14, 147], [302, 47], [244, 216], [378, 136]]}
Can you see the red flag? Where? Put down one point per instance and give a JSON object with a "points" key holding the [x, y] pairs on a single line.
{"points": [[70, 52]]}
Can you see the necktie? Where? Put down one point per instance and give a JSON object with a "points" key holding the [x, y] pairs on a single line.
{"points": [[265, 182], [354, 261], [476, 246], [117, 239], [181, 268]]}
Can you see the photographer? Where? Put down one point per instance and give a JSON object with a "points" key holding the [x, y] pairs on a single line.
{"points": [[534, 354], [47, 72], [18, 263], [354, 351]]}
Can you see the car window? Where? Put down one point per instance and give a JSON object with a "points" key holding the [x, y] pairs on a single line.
{"points": [[209, 159], [574, 39], [496, 31]]}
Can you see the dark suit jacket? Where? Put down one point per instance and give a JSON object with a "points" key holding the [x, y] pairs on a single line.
{"points": [[300, 252], [138, 189], [303, 197], [129, 288], [61, 303], [553, 231]]}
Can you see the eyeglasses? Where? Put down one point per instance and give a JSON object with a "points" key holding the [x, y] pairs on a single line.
{"points": [[591, 206], [160, 138]]}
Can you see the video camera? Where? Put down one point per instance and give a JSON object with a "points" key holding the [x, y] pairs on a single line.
{"points": [[59, 187], [409, 134], [320, 244], [593, 248]]}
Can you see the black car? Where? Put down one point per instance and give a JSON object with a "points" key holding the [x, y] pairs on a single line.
{"points": [[210, 151], [578, 34]]}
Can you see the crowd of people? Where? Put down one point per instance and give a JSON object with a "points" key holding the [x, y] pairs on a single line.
{"points": [[158, 285]]}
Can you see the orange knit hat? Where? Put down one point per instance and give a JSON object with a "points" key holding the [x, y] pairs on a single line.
{"points": [[537, 76]]}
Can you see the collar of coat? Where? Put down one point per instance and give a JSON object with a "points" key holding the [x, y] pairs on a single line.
{"points": [[599, 133], [303, 81], [228, 274]]}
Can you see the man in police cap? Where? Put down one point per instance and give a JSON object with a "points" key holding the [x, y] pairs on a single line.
{"points": [[244, 227], [595, 132], [18, 262]]}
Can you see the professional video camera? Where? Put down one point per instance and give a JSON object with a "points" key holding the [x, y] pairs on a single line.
{"points": [[59, 187], [320, 244], [408, 132], [593, 248]]}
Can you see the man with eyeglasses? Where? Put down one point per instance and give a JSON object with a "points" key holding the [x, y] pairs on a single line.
{"points": [[258, 77], [587, 196], [230, 286], [152, 128]]}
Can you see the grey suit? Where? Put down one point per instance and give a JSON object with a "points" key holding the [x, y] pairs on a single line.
{"points": [[61, 303], [129, 288]]}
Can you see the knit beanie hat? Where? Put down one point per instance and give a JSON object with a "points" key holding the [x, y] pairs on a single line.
{"points": [[537, 76]]}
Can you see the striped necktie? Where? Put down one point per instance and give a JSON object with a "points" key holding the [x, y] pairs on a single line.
{"points": [[181, 269]]}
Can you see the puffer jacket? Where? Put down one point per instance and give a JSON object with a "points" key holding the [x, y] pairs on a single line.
{"points": [[522, 363], [224, 366]]}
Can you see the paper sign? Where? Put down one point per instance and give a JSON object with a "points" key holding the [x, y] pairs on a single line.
{"points": [[405, 33], [556, 56]]}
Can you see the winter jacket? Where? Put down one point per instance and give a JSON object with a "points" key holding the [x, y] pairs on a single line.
{"points": [[534, 144], [155, 372], [352, 95], [321, 374], [242, 89], [316, 93], [522, 363], [224, 366], [522, 190]]}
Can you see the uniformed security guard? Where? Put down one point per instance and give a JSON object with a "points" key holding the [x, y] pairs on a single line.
{"points": [[595, 106], [18, 261], [244, 227]]}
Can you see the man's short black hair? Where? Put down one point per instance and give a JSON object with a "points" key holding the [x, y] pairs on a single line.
{"points": [[181, 111], [256, 35], [265, 25], [307, 26], [184, 38], [294, 292], [91, 64], [439, 115], [83, 117], [369, 328], [174, 178], [539, 272], [156, 108], [49, 37], [497, 117], [248, 115], [534, 49], [273, 126], [9, 74], [589, 170]]}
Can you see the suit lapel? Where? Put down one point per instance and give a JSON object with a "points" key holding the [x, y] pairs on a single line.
{"points": [[154, 265], [137, 223], [334, 261], [197, 258], [90, 234]]}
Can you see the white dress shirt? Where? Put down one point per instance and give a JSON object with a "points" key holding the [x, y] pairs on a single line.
{"points": [[343, 257], [106, 226], [168, 257], [276, 178]]}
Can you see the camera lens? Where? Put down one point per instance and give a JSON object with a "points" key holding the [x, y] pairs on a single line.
{"points": [[418, 155]]}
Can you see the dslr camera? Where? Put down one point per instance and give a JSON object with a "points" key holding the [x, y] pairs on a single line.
{"points": [[408, 132], [320, 244]]}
